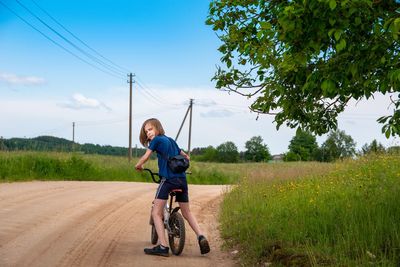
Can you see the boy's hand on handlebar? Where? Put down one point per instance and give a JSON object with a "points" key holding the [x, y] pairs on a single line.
{"points": [[139, 167]]}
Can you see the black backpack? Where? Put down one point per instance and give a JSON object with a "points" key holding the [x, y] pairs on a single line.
{"points": [[178, 163]]}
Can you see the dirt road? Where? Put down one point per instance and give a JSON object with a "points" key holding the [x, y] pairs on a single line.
{"points": [[96, 224]]}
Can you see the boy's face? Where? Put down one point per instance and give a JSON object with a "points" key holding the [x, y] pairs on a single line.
{"points": [[150, 131]]}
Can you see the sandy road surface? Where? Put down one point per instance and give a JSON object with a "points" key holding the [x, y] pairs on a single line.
{"points": [[96, 224]]}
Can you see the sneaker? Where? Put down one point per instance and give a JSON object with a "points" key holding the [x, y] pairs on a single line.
{"points": [[157, 250], [204, 246]]}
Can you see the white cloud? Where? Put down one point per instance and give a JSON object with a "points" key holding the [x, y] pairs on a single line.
{"points": [[14, 79], [205, 102], [79, 101], [217, 113]]}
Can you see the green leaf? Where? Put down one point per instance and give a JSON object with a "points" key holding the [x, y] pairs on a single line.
{"points": [[383, 119], [332, 4], [344, 3], [387, 133], [357, 21], [338, 33], [341, 45], [397, 25], [265, 25], [330, 32], [228, 63], [388, 23], [353, 69], [328, 87]]}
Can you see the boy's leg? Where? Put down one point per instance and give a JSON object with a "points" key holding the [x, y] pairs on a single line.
{"points": [[157, 214], [187, 214]]}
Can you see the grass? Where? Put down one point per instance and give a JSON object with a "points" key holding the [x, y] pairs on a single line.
{"points": [[349, 216], [28, 166]]}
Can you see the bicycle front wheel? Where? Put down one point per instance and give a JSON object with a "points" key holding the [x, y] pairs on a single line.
{"points": [[176, 237], [154, 235]]}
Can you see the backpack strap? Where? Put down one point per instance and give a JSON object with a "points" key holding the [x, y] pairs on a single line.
{"points": [[166, 157]]}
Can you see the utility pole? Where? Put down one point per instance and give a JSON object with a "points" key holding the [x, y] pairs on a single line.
{"points": [[190, 108], [130, 118], [136, 151], [73, 136], [184, 119], [190, 125]]}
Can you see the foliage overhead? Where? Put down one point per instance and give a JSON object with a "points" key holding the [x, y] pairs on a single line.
{"points": [[304, 60]]}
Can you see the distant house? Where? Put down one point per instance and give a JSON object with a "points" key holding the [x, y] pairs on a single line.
{"points": [[277, 158]]}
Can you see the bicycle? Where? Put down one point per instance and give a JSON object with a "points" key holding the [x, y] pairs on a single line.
{"points": [[173, 221]]}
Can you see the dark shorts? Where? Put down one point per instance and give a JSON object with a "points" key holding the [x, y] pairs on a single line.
{"points": [[166, 185]]}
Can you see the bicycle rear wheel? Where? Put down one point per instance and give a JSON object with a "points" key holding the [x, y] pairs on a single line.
{"points": [[176, 237]]}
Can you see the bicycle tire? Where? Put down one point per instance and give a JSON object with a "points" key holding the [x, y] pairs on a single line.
{"points": [[176, 237], [154, 235]]}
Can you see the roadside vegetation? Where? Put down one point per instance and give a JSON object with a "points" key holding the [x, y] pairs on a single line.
{"points": [[28, 166], [348, 216]]}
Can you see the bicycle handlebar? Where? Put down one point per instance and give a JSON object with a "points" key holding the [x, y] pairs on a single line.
{"points": [[153, 174]]}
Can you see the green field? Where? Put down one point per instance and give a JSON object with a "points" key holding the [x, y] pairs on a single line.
{"points": [[280, 214], [28, 166], [349, 216]]}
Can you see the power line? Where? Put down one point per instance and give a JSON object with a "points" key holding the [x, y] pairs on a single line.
{"points": [[113, 70], [150, 96], [56, 43], [80, 40], [153, 95], [69, 42], [102, 122]]}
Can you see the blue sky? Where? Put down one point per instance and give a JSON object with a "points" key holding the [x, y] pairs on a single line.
{"points": [[43, 88]]}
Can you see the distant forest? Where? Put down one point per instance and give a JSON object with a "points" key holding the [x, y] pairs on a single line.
{"points": [[51, 143]]}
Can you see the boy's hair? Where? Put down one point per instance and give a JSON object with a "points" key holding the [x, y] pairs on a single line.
{"points": [[158, 127]]}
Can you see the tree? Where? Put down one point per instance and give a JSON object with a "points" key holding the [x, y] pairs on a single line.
{"points": [[338, 145], [394, 150], [302, 147], [374, 147], [303, 61], [206, 154], [291, 156], [227, 152], [256, 150]]}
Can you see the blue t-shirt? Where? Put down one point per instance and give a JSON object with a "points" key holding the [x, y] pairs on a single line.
{"points": [[165, 147]]}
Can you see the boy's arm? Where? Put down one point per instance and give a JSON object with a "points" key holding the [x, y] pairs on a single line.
{"points": [[143, 159], [184, 154]]}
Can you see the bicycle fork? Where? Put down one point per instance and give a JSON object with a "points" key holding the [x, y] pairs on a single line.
{"points": [[168, 211]]}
